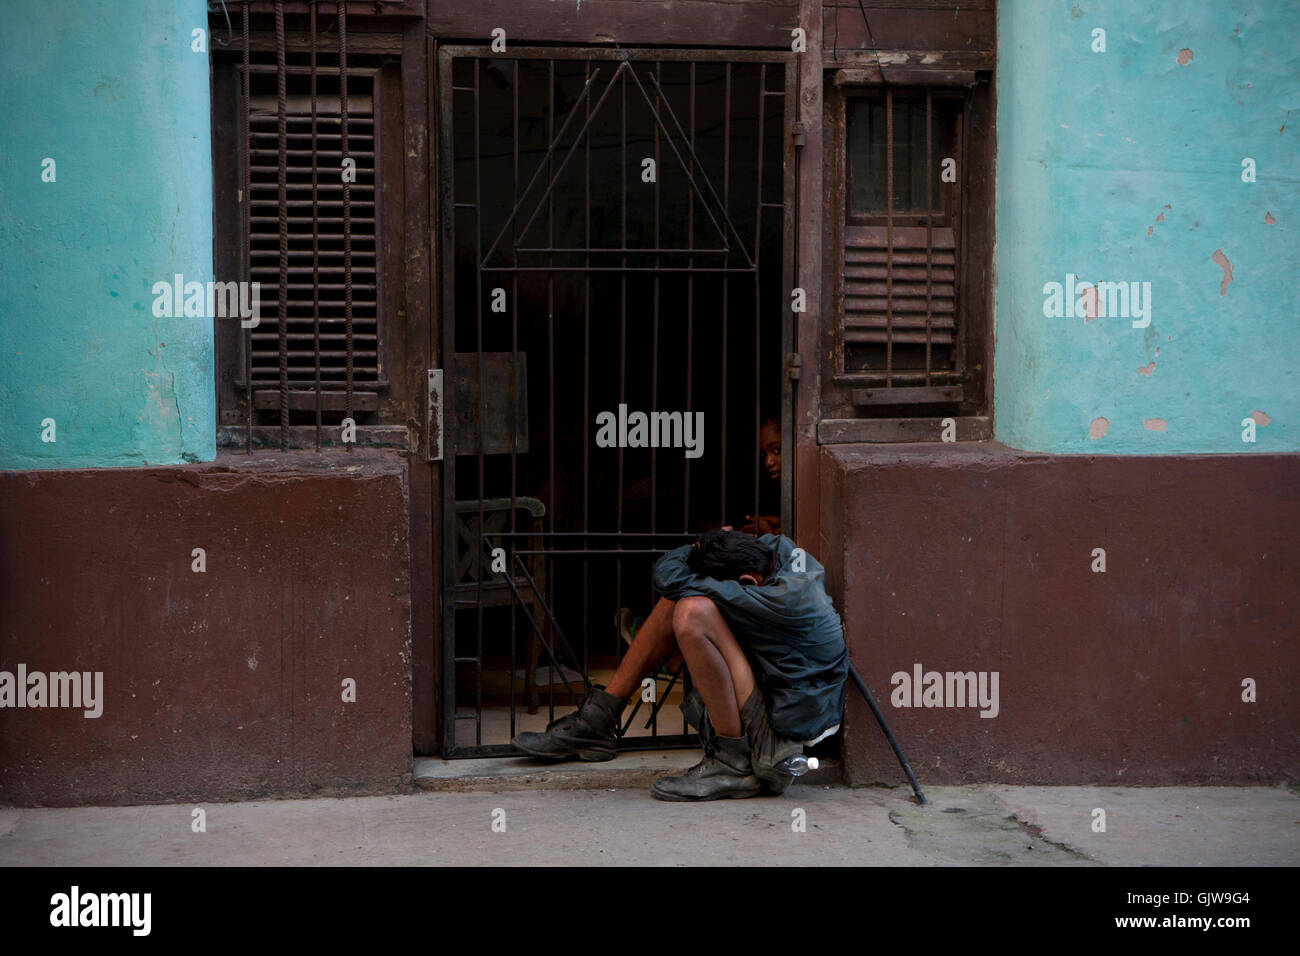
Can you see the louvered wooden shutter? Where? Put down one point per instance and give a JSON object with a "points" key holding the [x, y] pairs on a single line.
{"points": [[263, 246], [870, 299]]}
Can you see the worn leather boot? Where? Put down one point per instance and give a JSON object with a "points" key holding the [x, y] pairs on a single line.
{"points": [[590, 733], [725, 772]]}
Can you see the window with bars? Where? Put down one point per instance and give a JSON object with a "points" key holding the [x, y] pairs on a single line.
{"points": [[316, 269], [899, 262], [316, 296], [906, 317]]}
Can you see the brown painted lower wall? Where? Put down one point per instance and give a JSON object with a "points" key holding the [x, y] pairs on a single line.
{"points": [[226, 684], [979, 558], [219, 685]]}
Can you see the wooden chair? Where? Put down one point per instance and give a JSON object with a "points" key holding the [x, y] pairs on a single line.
{"points": [[478, 586]]}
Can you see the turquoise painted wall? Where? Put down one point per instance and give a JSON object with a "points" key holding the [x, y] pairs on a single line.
{"points": [[1127, 165], [113, 93]]}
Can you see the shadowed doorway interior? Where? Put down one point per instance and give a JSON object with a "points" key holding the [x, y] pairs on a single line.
{"points": [[615, 271]]}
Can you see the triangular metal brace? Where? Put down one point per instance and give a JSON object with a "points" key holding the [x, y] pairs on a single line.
{"points": [[668, 136]]}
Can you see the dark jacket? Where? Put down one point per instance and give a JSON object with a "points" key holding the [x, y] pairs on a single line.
{"points": [[789, 629]]}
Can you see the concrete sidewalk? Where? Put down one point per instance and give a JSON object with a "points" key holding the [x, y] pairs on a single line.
{"points": [[975, 825]]}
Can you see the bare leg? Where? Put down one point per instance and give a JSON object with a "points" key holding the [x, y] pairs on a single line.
{"points": [[652, 645], [718, 665]]}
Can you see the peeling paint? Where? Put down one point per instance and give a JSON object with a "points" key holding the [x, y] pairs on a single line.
{"points": [[1088, 297], [1260, 418], [1098, 428], [161, 413], [1109, 200], [1226, 266], [1155, 424]]}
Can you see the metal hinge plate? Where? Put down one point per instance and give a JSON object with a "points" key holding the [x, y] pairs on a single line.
{"points": [[793, 366], [434, 425]]}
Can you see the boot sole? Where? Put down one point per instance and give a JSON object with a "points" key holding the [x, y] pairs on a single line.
{"points": [[675, 798], [590, 756]]}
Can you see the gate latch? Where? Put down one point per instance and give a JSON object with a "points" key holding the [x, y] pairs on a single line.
{"points": [[793, 366], [799, 133], [434, 421]]}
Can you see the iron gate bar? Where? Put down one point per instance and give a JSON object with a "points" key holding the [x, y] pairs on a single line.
{"points": [[482, 400], [550, 359], [342, 8], [758, 290], [726, 284], [315, 225], [789, 279], [282, 213], [654, 360], [690, 297], [588, 268], [247, 225], [929, 228], [959, 245], [889, 237], [594, 552], [611, 251], [578, 54], [622, 334], [654, 345], [588, 534], [586, 376], [445, 206], [514, 385]]}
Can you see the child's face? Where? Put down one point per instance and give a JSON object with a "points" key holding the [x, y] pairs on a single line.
{"points": [[769, 443]]}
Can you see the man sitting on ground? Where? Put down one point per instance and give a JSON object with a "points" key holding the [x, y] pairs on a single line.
{"points": [[765, 649]]}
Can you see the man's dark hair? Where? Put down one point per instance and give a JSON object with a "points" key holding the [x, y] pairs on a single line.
{"points": [[726, 555]]}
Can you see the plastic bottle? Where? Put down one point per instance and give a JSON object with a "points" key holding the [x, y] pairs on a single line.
{"points": [[798, 765]]}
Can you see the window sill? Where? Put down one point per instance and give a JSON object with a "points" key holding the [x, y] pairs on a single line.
{"points": [[841, 431], [303, 437]]}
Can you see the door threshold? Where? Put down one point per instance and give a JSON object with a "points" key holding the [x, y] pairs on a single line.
{"points": [[635, 769]]}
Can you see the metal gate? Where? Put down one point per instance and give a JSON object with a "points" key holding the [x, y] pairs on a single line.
{"points": [[616, 259]]}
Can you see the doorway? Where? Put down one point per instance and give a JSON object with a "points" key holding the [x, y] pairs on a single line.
{"points": [[616, 260]]}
